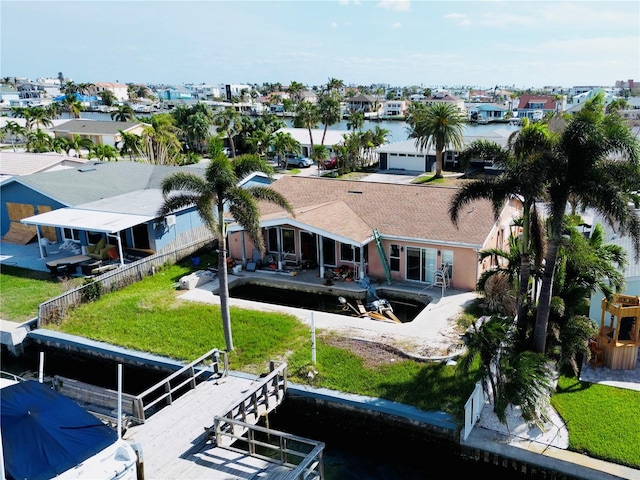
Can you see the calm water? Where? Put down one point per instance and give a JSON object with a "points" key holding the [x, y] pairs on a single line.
{"points": [[405, 310], [352, 452], [397, 129]]}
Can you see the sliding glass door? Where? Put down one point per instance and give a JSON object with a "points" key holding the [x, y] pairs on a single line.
{"points": [[421, 263]]}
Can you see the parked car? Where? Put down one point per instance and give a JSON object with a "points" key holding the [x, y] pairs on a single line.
{"points": [[330, 163], [295, 161]]}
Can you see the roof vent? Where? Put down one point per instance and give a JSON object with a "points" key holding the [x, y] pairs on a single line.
{"points": [[87, 169], [355, 191]]}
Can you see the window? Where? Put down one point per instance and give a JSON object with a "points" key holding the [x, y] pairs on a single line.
{"points": [[272, 240], [394, 257], [329, 251], [288, 241], [447, 259], [346, 252], [70, 234]]}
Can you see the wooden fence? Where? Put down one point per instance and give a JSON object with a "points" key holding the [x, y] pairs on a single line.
{"points": [[55, 309]]}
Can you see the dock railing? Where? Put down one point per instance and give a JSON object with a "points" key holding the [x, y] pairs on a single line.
{"points": [[163, 393], [302, 455], [256, 401]]}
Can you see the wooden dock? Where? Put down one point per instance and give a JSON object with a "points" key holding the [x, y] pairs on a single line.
{"points": [[179, 440]]}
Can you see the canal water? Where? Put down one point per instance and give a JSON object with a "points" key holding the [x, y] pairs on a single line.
{"points": [[406, 310], [398, 130], [356, 449]]}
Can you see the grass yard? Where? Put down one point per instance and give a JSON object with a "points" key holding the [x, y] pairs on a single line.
{"points": [[603, 422]]}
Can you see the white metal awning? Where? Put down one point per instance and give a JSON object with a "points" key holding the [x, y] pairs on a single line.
{"points": [[89, 220]]}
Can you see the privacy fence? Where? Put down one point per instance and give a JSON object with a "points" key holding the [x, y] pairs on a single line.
{"points": [[54, 310]]}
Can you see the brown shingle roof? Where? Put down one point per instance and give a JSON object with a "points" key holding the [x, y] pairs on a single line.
{"points": [[354, 208]]}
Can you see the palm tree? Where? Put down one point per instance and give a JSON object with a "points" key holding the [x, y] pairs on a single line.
{"points": [[330, 112], [595, 161], [356, 121], [284, 143], [124, 113], [307, 116], [214, 195], [14, 129], [160, 143], [39, 142], [439, 125], [228, 121], [72, 105], [527, 163], [77, 143], [107, 97], [103, 152], [295, 91]]}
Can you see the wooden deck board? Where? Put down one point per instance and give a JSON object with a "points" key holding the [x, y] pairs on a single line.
{"points": [[173, 439]]}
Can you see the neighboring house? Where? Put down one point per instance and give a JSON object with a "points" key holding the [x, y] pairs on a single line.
{"points": [[536, 107], [486, 112], [19, 163], [98, 131], [117, 200], [340, 223], [174, 93], [405, 155], [364, 104], [333, 137], [631, 271], [119, 90], [395, 108], [445, 97], [8, 96]]}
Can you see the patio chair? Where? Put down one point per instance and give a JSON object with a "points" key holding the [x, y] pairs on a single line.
{"points": [[597, 354]]}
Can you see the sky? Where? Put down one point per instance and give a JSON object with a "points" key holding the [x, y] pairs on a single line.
{"points": [[479, 43]]}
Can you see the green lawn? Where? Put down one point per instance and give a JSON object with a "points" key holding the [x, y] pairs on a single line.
{"points": [[602, 421]]}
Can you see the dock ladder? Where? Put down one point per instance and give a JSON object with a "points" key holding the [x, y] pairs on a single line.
{"points": [[383, 256]]}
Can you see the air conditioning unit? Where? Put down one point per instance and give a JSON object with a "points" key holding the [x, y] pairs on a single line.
{"points": [[171, 220]]}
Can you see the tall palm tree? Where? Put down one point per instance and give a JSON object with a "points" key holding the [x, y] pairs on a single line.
{"points": [[214, 195], [307, 116], [124, 113], [527, 163], [295, 90], [595, 160], [228, 122], [160, 143], [129, 143], [330, 112], [439, 125]]}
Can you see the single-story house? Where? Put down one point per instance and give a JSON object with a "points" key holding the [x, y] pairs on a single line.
{"points": [[392, 232], [486, 112], [98, 131], [406, 155], [117, 201], [23, 163], [301, 135]]}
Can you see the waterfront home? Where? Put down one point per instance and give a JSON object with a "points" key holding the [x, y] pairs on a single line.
{"points": [[98, 131], [389, 232]]}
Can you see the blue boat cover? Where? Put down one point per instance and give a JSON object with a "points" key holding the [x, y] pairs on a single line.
{"points": [[45, 433]]}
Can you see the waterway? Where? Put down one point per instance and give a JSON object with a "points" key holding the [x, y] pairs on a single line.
{"points": [[356, 449], [398, 130]]}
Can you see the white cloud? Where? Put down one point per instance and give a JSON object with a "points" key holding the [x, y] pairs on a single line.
{"points": [[459, 19], [399, 5], [333, 25], [396, 25], [350, 2]]}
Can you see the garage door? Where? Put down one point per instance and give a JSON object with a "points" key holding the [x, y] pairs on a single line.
{"points": [[406, 162]]}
